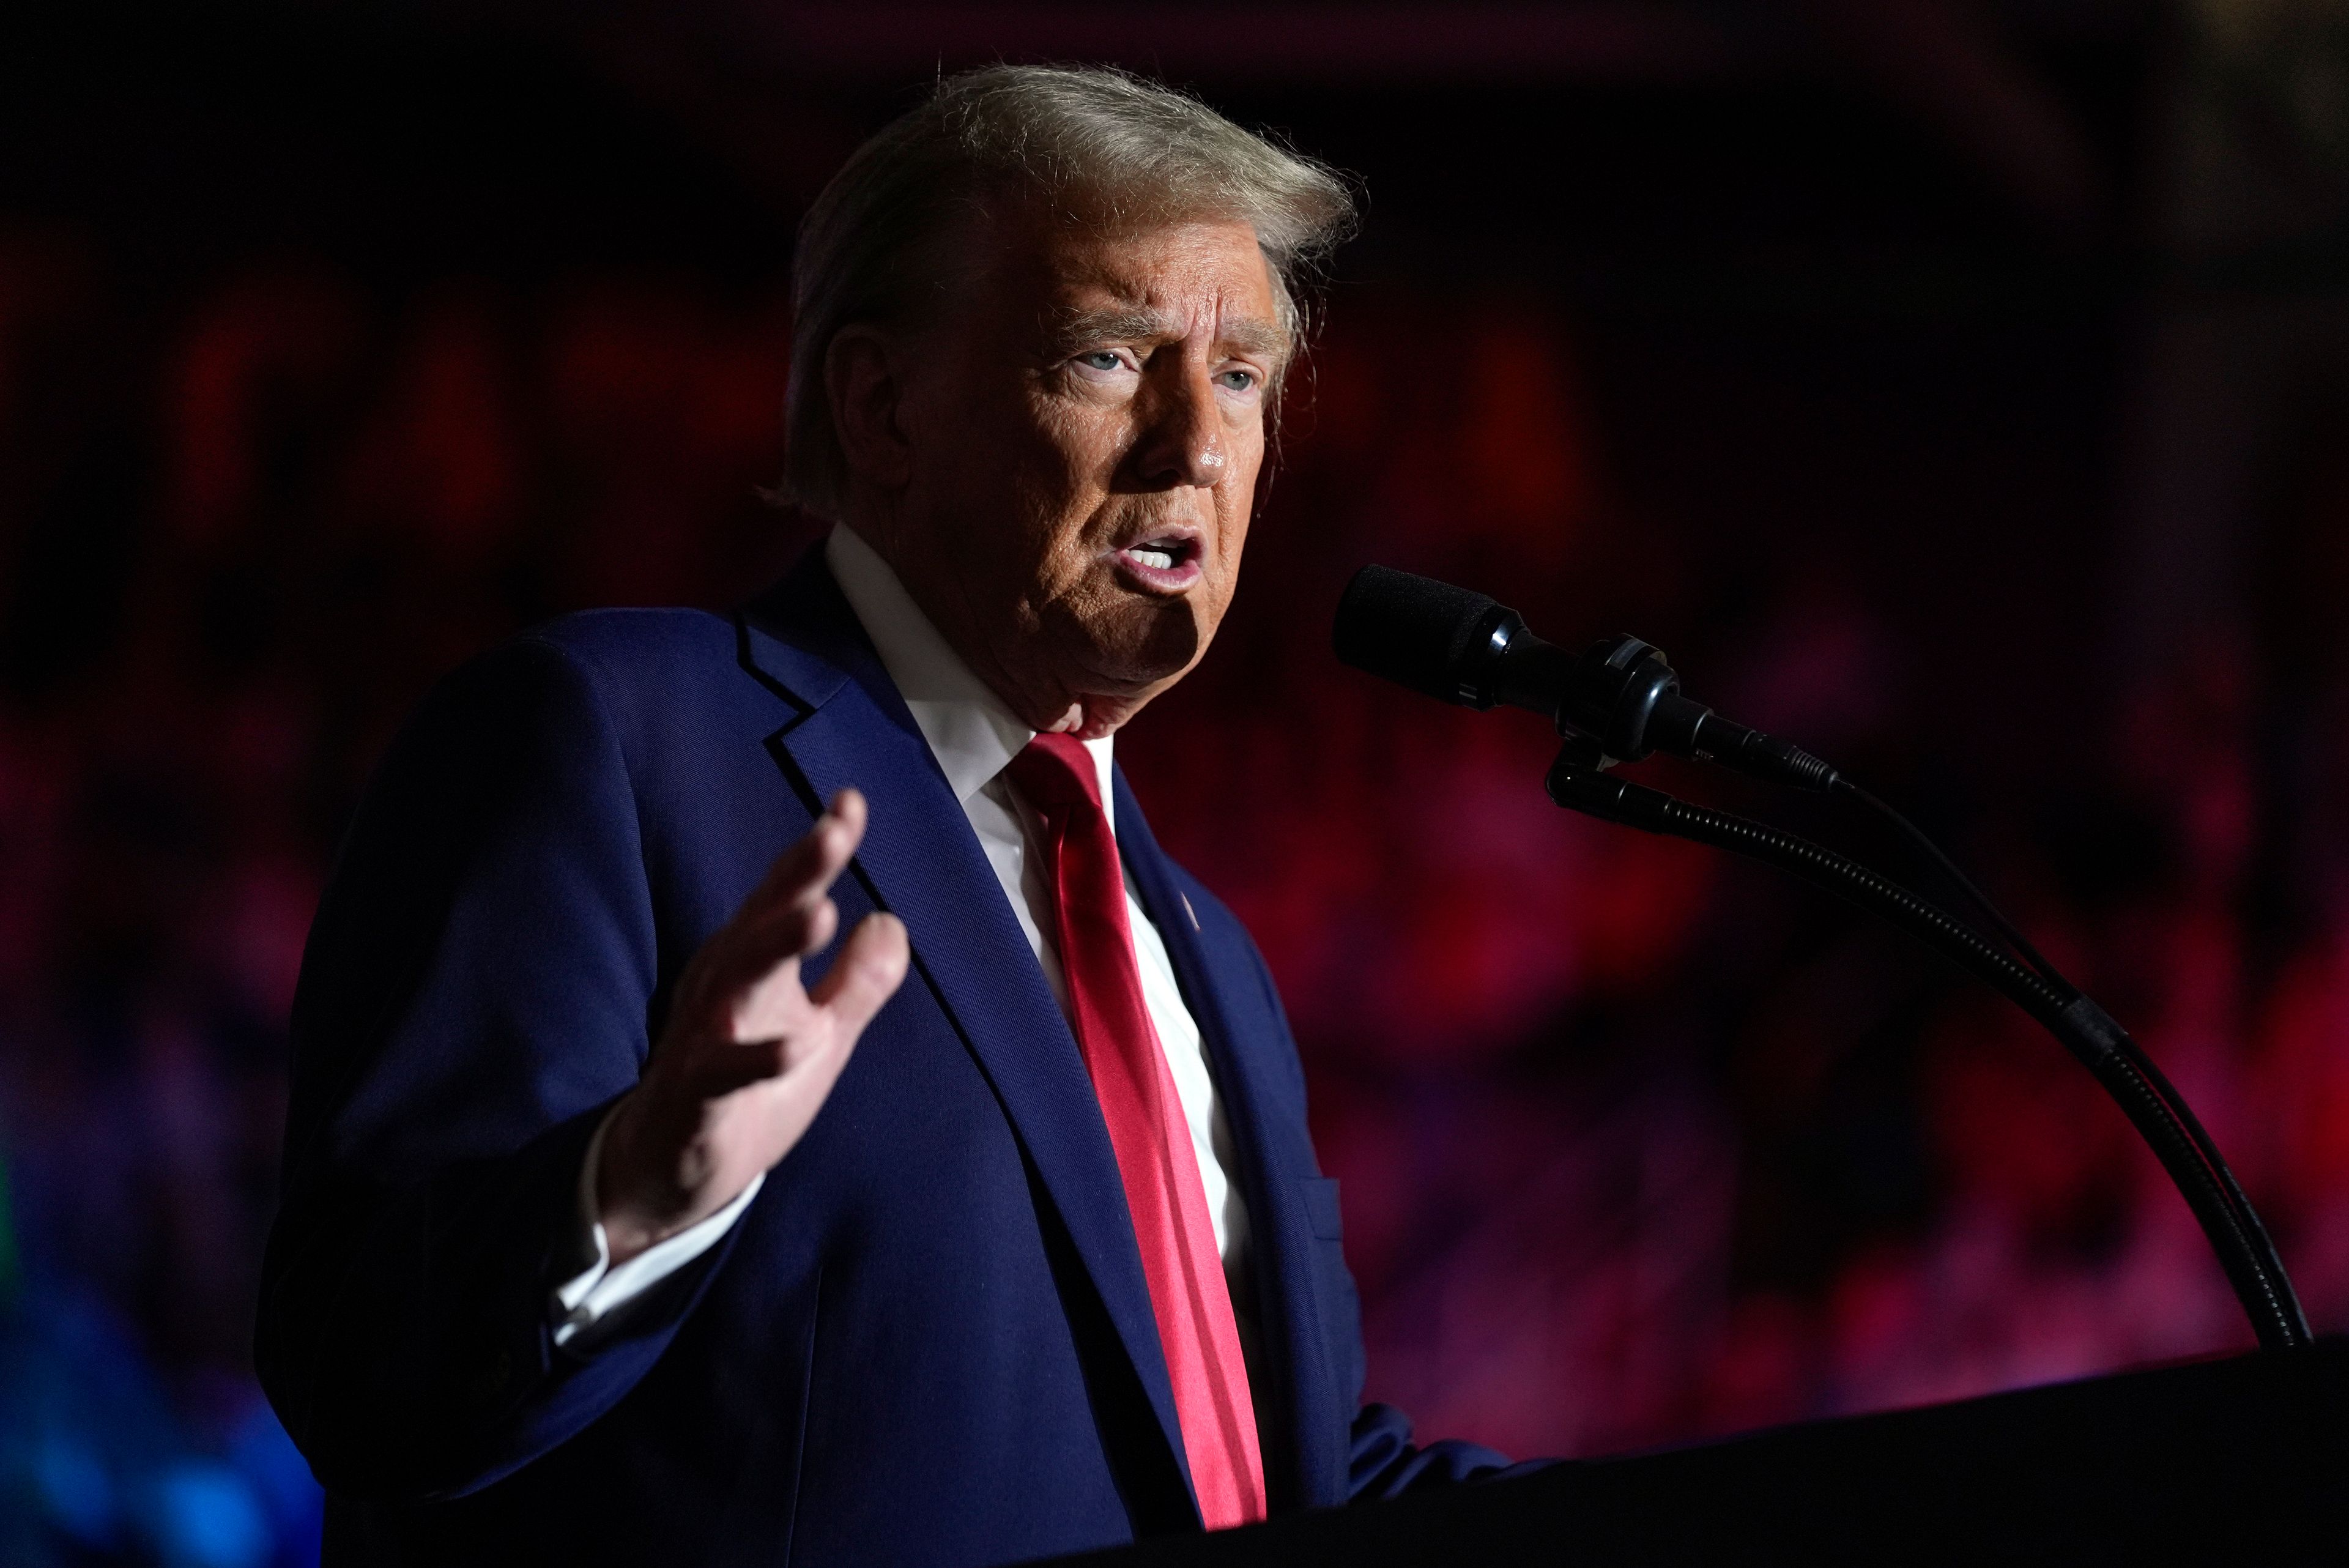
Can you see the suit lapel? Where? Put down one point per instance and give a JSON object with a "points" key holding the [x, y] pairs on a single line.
{"points": [[1298, 1373], [921, 861]]}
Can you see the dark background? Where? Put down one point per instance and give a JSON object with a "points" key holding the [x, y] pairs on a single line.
{"points": [[1961, 389]]}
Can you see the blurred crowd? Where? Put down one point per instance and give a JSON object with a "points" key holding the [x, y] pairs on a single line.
{"points": [[1638, 1145]]}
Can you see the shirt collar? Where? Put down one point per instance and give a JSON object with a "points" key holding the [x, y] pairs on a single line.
{"points": [[970, 731]]}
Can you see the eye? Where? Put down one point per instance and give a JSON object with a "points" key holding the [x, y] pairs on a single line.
{"points": [[1236, 380], [1103, 360]]}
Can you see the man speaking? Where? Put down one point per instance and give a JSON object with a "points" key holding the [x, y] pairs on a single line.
{"points": [[761, 1096]]}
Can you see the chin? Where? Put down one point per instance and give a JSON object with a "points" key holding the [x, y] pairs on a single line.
{"points": [[1144, 643]]}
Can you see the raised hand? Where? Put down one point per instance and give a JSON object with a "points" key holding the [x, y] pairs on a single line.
{"points": [[749, 1054]]}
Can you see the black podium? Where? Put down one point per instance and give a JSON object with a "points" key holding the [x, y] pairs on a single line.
{"points": [[2241, 1460]]}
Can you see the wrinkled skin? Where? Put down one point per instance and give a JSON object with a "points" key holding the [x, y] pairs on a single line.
{"points": [[1079, 395]]}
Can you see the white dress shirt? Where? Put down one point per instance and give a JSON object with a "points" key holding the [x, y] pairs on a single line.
{"points": [[974, 738]]}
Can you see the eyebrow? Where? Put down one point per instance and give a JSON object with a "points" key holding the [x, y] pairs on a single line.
{"points": [[1135, 323]]}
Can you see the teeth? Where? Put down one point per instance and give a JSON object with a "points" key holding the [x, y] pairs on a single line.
{"points": [[1145, 556]]}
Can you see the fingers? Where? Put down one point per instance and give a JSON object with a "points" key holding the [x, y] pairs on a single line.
{"points": [[871, 966], [752, 951], [801, 873], [787, 915], [759, 939], [849, 807]]}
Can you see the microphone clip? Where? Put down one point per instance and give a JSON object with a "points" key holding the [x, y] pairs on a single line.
{"points": [[1578, 781]]}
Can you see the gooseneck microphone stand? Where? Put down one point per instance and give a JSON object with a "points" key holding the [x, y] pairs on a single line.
{"points": [[1620, 701], [1580, 782]]}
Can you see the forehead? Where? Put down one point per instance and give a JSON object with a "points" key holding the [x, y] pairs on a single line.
{"points": [[1208, 275]]}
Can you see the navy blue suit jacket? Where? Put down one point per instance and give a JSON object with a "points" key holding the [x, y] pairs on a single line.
{"points": [[928, 1339]]}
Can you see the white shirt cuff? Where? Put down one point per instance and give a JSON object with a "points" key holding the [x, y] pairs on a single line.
{"points": [[600, 1290]]}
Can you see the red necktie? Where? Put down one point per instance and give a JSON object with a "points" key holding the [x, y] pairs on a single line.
{"points": [[1147, 1129]]}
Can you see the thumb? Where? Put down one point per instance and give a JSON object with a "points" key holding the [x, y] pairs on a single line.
{"points": [[866, 974]]}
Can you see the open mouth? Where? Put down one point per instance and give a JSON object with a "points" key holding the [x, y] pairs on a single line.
{"points": [[1165, 561], [1163, 554]]}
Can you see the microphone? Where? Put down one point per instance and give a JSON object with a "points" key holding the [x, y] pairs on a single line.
{"points": [[1618, 699], [1465, 648]]}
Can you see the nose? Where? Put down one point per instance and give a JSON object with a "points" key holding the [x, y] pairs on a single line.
{"points": [[1181, 443]]}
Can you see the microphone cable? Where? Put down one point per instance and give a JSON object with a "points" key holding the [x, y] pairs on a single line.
{"points": [[1918, 840]]}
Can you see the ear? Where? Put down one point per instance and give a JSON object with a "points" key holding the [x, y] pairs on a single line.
{"points": [[860, 378]]}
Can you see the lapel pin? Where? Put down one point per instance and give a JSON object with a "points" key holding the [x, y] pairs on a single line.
{"points": [[1186, 908]]}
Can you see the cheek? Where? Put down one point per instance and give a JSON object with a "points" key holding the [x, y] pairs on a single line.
{"points": [[1068, 433], [1051, 468], [1235, 506], [1011, 483], [1066, 486]]}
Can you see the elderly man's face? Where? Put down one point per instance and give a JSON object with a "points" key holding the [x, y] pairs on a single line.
{"points": [[1072, 463]]}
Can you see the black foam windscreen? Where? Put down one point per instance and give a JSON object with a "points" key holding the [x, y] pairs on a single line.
{"points": [[1413, 630]]}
